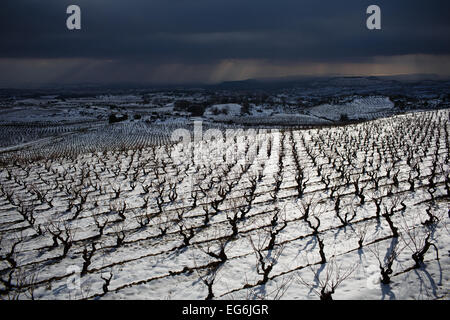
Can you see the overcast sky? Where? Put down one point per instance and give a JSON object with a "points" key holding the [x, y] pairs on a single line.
{"points": [[185, 41]]}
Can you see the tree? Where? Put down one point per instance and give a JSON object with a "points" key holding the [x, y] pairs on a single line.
{"points": [[344, 117], [196, 110], [245, 108], [326, 286], [113, 118]]}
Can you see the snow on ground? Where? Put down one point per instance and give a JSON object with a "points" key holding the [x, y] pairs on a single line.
{"points": [[360, 108], [251, 217], [31, 114]]}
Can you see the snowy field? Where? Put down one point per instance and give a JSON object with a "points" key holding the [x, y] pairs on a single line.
{"points": [[350, 212], [365, 108], [76, 125]]}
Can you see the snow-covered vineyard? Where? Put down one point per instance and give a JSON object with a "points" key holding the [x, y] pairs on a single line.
{"points": [[350, 212]]}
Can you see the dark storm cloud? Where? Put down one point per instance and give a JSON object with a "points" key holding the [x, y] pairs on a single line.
{"points": [[209, 31], [194, 30]]}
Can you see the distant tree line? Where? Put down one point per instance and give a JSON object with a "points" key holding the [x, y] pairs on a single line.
{"points": [[113, 118], [196, 108]]}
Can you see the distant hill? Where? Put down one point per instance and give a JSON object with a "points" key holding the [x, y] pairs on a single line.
{"points": [[398, 84]]}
